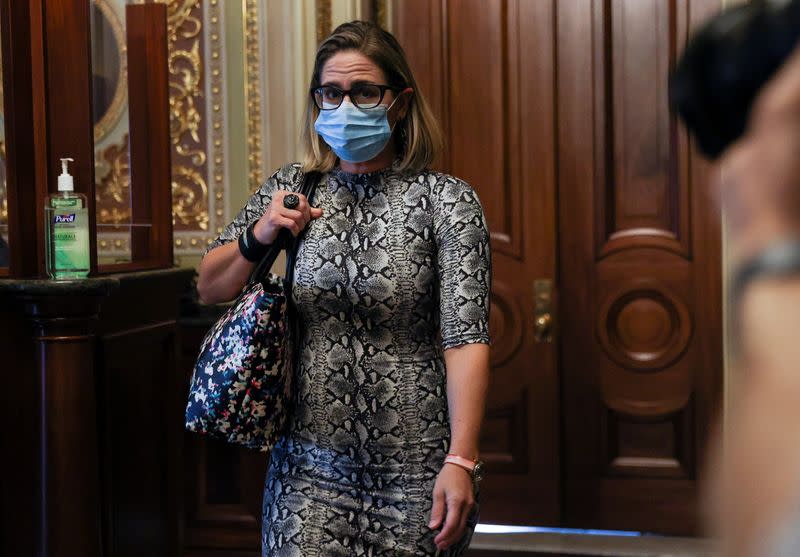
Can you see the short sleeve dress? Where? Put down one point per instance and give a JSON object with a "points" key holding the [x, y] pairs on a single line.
{"points": [[396, 271]]}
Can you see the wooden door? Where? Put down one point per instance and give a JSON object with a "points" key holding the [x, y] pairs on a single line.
{"points": [[487, 67], [640, 270], [638, 332]]}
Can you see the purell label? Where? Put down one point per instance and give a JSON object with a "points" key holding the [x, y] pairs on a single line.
{"points": [[64, 218]]}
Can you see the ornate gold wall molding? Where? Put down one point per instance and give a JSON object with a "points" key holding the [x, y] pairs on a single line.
{"points": [[252, 92], [114, 184], [218, 139], [198, 101], [188, 117], [113, 203]]}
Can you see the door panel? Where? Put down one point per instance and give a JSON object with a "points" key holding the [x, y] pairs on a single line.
{"points": [[487, 68], [640, 270]]}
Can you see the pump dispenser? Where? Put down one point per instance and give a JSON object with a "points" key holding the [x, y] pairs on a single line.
{"points": [[65, 181], [66, 229]]}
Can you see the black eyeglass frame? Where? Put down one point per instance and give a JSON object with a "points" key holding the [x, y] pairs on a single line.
{"points": [[347, 92]]}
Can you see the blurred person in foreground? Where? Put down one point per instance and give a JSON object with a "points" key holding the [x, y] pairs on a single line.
{"points": [[754, 477]]}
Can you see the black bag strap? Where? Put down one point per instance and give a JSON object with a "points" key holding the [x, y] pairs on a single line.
{"points": [[285, 238]]}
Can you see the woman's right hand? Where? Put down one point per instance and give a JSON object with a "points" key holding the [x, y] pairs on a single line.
{"points": [[276, 216]]}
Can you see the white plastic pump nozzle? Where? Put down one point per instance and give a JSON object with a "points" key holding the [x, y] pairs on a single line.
{"points": [[65, 181]]}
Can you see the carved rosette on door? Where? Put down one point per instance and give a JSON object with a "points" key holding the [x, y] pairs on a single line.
{"points": [[645, 328]]}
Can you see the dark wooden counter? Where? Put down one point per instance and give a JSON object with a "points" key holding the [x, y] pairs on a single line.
{"points": [[93, 436]]}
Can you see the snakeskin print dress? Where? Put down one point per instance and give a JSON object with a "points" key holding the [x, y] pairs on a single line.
{"points": [[396, 271]]}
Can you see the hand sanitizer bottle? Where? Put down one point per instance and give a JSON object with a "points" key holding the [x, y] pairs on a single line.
{"points": [[66, 230]]}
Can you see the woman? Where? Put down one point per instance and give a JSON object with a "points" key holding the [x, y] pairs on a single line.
{"points": [[391, 289]]}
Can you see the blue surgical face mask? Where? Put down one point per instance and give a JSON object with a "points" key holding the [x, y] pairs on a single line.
{"points": [[355, 134]]}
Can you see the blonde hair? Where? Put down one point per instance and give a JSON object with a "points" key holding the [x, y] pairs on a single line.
{"points": [[417, 136]]}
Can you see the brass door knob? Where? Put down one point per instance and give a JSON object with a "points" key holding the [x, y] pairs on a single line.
{"points": [[542, 327], [542, 310]]}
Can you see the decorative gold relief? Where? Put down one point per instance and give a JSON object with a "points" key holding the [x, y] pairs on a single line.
{"points": [[217, 117], [187, 126], [252, 92], [113, 192], [112, 196], [183, 19], [185, 119], [189, 194]]}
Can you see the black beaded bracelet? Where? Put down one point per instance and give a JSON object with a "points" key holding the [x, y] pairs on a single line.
{"points": [[781, 259], [250, 248]]}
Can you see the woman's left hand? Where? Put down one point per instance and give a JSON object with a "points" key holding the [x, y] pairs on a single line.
{"points": [[453, 499]]}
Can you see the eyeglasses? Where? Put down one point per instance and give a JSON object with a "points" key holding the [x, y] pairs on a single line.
{"points": [[366, 95]]}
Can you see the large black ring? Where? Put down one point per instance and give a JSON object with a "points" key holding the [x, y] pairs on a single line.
{"points": [[291, 201]]}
